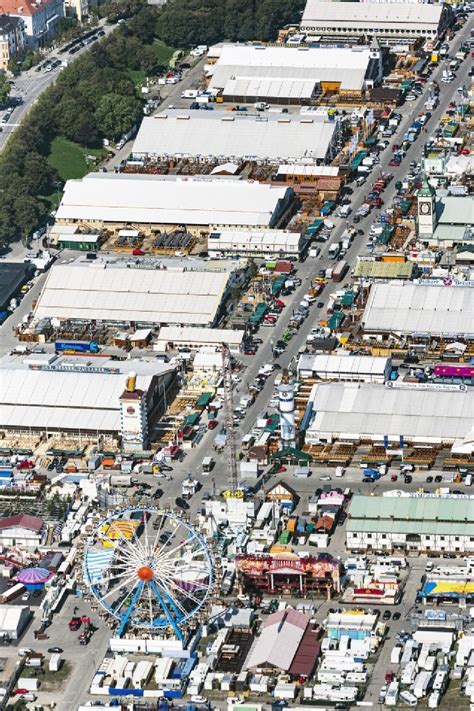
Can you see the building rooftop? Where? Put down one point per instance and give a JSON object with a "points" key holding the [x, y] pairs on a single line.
{"points": [[410, 308], [279, 640], [367, 15], [295, 69], [8, 23], [371, 269], [455, 210], [195, 334], [31, 523], [353, 365], [24, 7], [248, 240], [68, 393], [355, 410], [391, 514], [144, 296], [223, 135], [167, 199]]}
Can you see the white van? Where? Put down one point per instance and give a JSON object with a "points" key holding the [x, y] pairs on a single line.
{"points": [[207, 464], [339, 471], [408, 698], [468, 479]]}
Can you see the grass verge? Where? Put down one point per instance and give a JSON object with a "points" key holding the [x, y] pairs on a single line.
{"points": [[72, 160]]}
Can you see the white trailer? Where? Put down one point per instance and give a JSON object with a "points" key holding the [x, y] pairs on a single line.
{"points": [[121, 480], [422, 684], [55, 662], [395, 655], [408, 674], [392, 694]]}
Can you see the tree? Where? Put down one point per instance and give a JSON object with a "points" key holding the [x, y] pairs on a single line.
{"points": [[182, 23], [73, 115], [239, 19], [38, 175], [4, 89], [271, 15], [27, 214], [116, 114], [142, 25]]}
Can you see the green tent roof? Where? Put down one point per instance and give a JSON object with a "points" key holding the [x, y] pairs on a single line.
{"points": [[204, 400], [291, 453]]}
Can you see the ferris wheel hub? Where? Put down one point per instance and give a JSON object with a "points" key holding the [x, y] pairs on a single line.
{"points": [[145, 573]]}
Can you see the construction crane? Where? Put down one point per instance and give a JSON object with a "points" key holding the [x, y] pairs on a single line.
{"points": [[231, 447]]}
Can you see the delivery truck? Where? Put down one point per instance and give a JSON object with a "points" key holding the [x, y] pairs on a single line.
{"points": [[122, 480], [76, 347]]}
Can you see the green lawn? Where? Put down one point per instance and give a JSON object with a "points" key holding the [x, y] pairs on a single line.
{"points": [[163, 52], [70, 160], [138, 76]]}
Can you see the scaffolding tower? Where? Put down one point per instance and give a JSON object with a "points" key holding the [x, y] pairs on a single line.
{"points": [[231, 447]]}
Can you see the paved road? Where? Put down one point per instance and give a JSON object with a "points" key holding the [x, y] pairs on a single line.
{"points": [[31, 84]]}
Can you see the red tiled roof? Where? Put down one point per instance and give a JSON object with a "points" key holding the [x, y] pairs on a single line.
{"points": [[33, 523], [22, 7]]}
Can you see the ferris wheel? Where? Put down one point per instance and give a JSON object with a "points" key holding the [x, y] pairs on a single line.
{"points": [[149, 569]]}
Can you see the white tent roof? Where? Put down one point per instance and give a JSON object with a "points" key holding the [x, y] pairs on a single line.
{"points": [[279, 640], [409, 308], [401, 16], [161, 199], [289, 67], [108, 293], [222, 135], [11, 617], [335, 364], [69, 399], [356, 410]]}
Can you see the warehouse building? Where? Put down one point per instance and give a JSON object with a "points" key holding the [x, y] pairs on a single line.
{"points": [[224, 136], [53, 394], [292, 75], [420, 311], [410, 524], [154, 202], [118, 292], [267, 243], [365, 369], [176, 337], [384, 413], [390, 23]]}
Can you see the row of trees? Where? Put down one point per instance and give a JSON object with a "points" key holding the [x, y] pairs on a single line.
{"points": [[183, 23], [94, 98]]}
